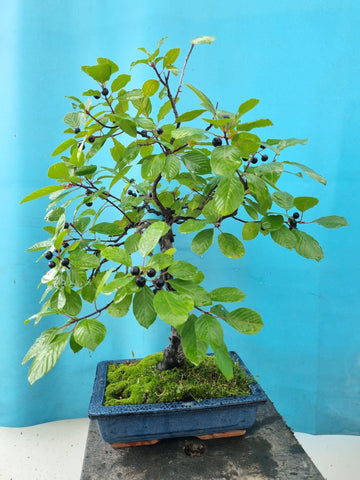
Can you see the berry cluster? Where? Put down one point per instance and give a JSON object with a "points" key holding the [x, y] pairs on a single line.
{"points": [[157, 282], [292, 221], [254, 159]]}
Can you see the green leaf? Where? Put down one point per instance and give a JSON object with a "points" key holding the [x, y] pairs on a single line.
{"points": [[200, 296], [305, 203], [224, 362], [150, 238], [210, 212], [206, 101], [225, 160], [229, 195], [271, 223], [64, 146], [247, 106], [89, 333], [183, 270], [201, 40], [191, 225], [197, 162], [85, 170], [131, 243], [120, 82], [260, 190], [164, 110], [150, 87], [101, 73], [307, 246], [46, 359], [311, 173], [227, 294], [143, 307], [106, 61], [83, 261], [245, 320], [188, 116], [171, 56], [40, 246], [82, 223], [170, 308], [291, 142], [42, 192], [68, 302], [283, 200], [159, 261], [171, 168], [230, 245], [250, 230], [332, 221], [284, 237], [246, 127], [209, 329], [45, 338], [120, 309], [188, 133], [194, 348], [118, 255], [73, 119], [202, 241], [151, 166], [107, 228]]}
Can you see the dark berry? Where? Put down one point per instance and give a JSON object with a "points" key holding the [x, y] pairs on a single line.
{"points": [[144, 133], [89, 204], [168, 276], [134, 194], [296, 215], [66, 225], [91, 139], [65, 262], [88, 192], [51, 264], [225, 116], [134, 271], [151, 272], [96, 97], [254, 160], [264, 158], [292, 223], [140, 281], [216, 141], [48, 255], [159, 131], [160, 282], [130, 192], [77, 130], [262, 147], [132, 180], [104, 91], [65, 244]]}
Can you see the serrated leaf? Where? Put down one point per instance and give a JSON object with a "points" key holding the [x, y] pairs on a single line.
{"points": [[305, 203], [230, 245], [143, 307], [202, 241], [307, 246], [171, 168], [191, 225], [118, 255], [225, 160], [47, 358], [151, 236], [332, 221], [227, 294], [250, 230], [245, 320], [89, 333], [229, 195], [170, 308]]}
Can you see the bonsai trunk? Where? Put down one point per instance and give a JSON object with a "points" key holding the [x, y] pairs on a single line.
{"points": [[173, 354]]}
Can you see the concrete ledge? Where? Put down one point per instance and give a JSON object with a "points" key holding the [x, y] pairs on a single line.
{"points": [[269, 450]]}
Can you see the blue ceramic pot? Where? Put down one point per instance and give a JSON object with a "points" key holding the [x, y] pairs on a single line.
{"points": [[146, 422]]}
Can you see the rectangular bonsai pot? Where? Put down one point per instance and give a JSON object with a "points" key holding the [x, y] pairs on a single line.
{"points": [[146, 422]]}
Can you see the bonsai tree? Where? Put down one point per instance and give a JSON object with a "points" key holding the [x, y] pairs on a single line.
{"points": [[137, 172]]}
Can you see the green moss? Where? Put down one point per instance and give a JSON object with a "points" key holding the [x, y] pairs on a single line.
{"points": [[140, 382]]}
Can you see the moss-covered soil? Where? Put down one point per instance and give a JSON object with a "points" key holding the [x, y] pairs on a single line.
{"points": [[140, 382]]}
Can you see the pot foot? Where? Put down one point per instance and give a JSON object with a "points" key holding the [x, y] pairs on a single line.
{"points": [[233, 433], [133, 444]]}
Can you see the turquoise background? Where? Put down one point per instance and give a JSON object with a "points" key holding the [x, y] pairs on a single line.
{"points": [[302, 60]]}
